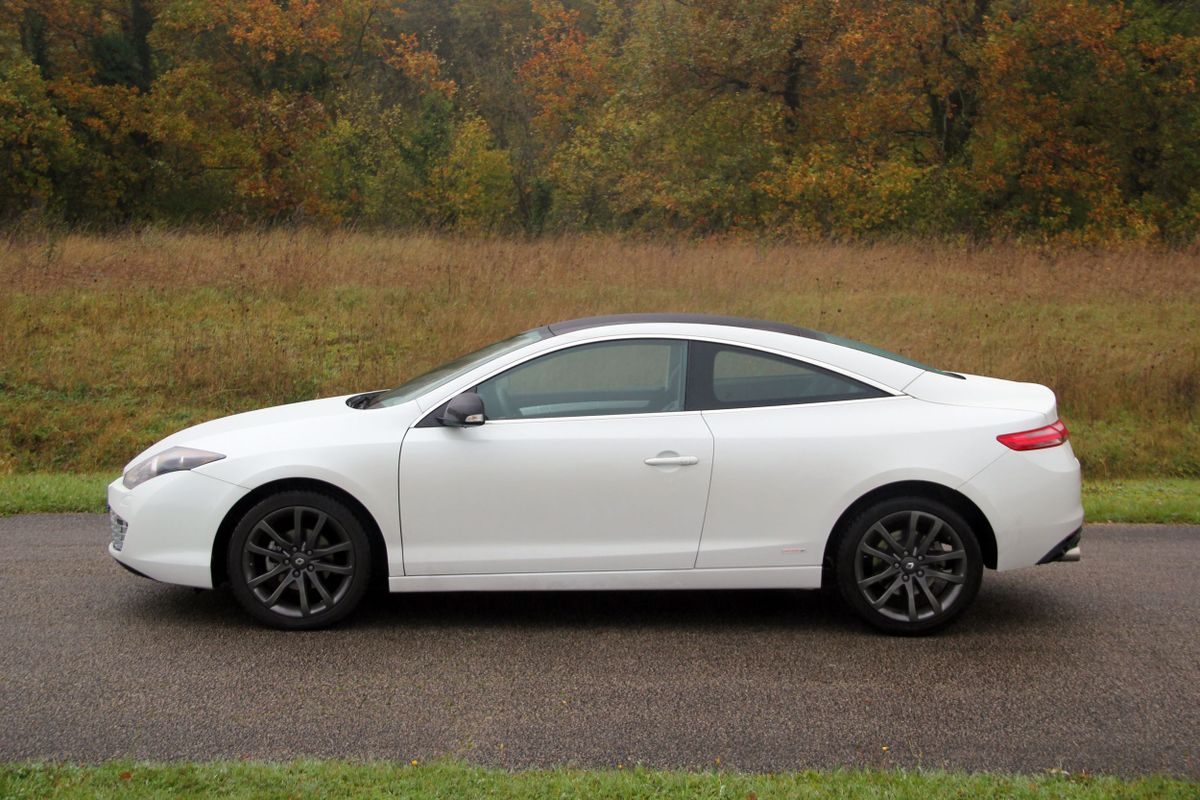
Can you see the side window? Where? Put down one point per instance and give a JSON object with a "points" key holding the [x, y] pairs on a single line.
{"points": [[630, 376], [724, 376]]}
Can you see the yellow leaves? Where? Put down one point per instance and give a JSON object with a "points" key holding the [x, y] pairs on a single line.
{"points": [[831, 191], [34, 136], [473, 186]]}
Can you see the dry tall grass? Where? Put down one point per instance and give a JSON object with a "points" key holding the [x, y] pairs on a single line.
{"points": [[110, 342]]}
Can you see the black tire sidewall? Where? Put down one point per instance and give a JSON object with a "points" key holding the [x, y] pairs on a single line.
{"points": [[358, 540], [848, 550]]}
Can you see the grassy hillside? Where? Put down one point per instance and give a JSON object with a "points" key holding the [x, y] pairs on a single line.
{"points": [[112, 342]]}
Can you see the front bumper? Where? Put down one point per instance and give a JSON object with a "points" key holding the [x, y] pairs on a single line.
{"points": [[171, 523]]}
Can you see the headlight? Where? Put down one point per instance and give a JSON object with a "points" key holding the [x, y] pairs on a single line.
{"points": [[172, 459]]}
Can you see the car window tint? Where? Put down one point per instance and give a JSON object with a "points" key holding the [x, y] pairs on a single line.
{"points": [[725, 376], [639, 376]]}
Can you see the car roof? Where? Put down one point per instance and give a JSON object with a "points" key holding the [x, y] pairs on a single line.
{"points": [[847, 346], [584, 323]]}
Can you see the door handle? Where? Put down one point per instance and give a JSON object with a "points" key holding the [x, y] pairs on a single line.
{"points": [[672, 461]]}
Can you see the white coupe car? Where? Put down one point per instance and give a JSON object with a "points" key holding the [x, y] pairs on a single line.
{"points": [[648, 451]]}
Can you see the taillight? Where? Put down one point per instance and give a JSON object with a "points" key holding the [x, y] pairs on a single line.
{"points": [[1036, 439]]}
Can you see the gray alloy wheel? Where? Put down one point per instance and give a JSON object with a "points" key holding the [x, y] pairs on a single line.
{"points": [[909, 565], [299, 560]]}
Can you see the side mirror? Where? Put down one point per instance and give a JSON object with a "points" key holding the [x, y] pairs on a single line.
{"points": [[463, 411]]}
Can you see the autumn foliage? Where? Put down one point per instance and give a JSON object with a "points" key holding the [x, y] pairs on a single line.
{"points": [[1066, 119]]}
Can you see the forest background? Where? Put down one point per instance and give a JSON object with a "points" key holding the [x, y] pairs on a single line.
{"points": [[1071, 120]]}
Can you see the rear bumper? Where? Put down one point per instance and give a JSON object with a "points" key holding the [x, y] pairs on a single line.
{"points": [[1032, 500], [1066, 550]]}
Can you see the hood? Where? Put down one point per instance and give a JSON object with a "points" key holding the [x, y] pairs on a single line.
{"points": [[278, 427]]}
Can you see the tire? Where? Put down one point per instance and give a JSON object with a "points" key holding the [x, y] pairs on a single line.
{"points": [[889, 556], [299, 560]]}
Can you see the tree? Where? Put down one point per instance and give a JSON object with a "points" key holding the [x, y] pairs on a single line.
{"points": [[35, 140]]}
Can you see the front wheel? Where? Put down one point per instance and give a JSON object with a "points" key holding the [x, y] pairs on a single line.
{"points": [[299, 560], [909, 565]]}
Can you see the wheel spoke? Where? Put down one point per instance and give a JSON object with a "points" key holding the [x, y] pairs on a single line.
{"points": [[304, 610], [882, 556], [887, 537], [265, 526], [336, 569], [297, 527], [874, 579], [929, 595], [910, 541], [263, 551], [310, 541], [948, 577], [321, 590], [891, 590], [328, 551], [934, 530], [953, 555], [283, 584], [912, 601], [266, 576]]}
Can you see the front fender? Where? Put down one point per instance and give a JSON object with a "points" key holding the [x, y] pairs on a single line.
{"points": [[367, 472]]}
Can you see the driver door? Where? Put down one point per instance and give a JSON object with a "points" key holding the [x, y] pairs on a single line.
{"points": [[586, 462]]}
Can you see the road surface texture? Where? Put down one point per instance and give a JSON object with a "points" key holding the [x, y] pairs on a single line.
{"points": [[1091, 666]]}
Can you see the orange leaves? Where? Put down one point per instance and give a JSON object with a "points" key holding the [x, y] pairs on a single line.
{"points": [[1042, 75], [270, 28], [404, 53], [566, 75]]}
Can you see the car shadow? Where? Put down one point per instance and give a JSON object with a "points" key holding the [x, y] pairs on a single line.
{"points": [[1000, 609], [761, 609]]}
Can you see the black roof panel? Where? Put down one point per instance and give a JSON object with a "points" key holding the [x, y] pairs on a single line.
{"points": [[692, 319]]}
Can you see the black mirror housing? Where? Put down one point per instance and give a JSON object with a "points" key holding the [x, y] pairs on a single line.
{"points": [[464, 411]]}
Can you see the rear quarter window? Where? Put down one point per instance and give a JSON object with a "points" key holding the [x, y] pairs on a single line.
{"points": [[726, 376]]}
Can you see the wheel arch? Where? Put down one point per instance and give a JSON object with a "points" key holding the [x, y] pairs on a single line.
{"points": [[379, 565], [957, 500]]}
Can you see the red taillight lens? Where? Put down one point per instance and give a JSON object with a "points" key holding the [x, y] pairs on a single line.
{"points": [[1036, 439]]}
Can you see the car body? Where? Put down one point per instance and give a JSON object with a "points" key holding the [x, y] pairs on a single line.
{"points": [[655, 451]]}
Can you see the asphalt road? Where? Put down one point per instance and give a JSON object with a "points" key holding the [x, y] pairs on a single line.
{"points": [[1091, 666]]}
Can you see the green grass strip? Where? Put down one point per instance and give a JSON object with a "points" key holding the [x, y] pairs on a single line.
{"points": [[1162, 500], [53, 493], [335, 779]]}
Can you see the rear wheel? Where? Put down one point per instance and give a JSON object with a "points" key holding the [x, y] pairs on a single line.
{"points": [[299, 560], [909, 565]]}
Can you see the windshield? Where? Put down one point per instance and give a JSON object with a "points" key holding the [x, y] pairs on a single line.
{"points": [[452, 369]]}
